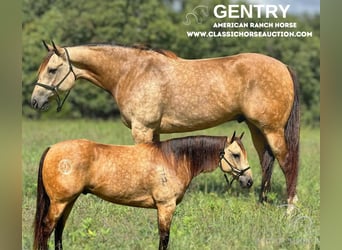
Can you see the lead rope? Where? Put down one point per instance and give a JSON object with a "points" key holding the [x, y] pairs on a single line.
{"points": [[229, 184]]}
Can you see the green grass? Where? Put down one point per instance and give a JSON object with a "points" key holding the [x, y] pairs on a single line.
{"points": [[209, 217]]}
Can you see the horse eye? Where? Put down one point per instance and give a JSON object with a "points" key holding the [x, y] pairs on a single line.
{"points": [[236, 156], [52, 70]]}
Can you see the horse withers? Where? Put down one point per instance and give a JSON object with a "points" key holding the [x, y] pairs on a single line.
{"points": [[158, 92], [150, 175]]}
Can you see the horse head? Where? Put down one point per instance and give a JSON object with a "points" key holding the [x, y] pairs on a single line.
{"points": [[233, 160], [55, 75]]}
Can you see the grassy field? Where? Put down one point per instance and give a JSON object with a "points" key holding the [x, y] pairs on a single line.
{"points": [[209, 217]]}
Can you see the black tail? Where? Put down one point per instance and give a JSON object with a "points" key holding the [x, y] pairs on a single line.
{"points": [[292, 134], [42, 208]]}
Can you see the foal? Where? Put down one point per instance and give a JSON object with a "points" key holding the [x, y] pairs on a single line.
{"points": [[150, 175]]}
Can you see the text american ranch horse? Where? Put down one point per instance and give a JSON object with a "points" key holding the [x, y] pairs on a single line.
{"points": [[158, 92]]}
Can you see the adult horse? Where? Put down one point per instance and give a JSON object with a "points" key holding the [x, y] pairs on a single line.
{"points": [[158, 92], [149, 175]]}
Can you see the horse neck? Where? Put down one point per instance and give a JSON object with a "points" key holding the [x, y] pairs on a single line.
{"points": [[197, 155], [101, 65], [204, 168]]}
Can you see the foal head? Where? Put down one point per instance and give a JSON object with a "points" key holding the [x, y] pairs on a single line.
{"points": [[55, 74], [233, 160]]}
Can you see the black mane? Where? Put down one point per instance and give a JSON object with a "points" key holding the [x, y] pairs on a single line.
{"points": [[200, 152]]}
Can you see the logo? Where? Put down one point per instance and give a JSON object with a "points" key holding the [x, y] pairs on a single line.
{"points": [[199, 14]]}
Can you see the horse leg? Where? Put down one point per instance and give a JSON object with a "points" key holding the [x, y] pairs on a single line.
{"points": [[60, 225], [141, 133], [49, 223], [279, 147], [266, 159], [165, 213], [156, 137]]}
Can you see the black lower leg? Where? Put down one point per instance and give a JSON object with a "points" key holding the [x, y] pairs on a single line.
{"points": [[164, 241], [267, 169], [58, 235]]}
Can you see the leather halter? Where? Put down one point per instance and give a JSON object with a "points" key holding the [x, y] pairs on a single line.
{"points": [[55, 87], [236, 172]]}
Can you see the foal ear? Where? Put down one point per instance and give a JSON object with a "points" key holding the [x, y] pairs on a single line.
{"points": [[233, 137], [47, 46], [58, 50], [242, 135]]}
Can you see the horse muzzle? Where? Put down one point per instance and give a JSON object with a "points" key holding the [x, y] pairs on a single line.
{"points": [[245, 181], [40, 103]]}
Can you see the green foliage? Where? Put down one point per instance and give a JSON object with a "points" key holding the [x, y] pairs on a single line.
{"points": [[162, 25], [209, 217]]}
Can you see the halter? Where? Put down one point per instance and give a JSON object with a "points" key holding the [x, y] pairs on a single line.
{"points": [[236, 172], [55, 87]]}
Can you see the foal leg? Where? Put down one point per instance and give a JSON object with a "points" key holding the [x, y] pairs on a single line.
{"points": [[49, 223], [165, 213], [266, 159], [60, 225]]}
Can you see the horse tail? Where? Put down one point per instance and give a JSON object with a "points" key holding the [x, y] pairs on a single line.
{"points": [[292, 134], [42, 208]]}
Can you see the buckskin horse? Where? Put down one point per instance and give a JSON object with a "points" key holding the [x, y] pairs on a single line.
{"points": [[149, 175], [158, 92]]}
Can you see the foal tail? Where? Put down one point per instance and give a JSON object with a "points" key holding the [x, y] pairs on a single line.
{"points": [[292, 130], [42, 208]]}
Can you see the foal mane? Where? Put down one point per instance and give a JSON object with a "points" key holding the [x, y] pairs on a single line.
{"points": [[200, 153]]}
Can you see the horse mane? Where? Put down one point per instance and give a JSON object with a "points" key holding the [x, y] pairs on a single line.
{"points": [[147, 47], [139, 46], [142, 47], [201, 153]]}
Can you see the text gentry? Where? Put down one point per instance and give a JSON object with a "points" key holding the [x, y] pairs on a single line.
{"points": [[242, 11]]}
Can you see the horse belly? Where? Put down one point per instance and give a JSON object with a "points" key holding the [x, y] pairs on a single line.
{"points": [[120, 186], [126, 198], [122, 178], [172, 124], [195, 116], [127, 194]]}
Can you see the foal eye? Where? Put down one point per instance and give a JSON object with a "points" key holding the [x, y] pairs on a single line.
{"points": [[52, 70]]}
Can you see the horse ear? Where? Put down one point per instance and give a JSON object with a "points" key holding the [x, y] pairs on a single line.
{"points": [[233, 137], [58, 50], [47, 46], [242, 135]]}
